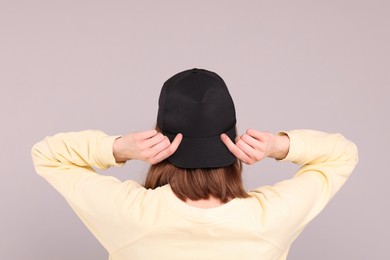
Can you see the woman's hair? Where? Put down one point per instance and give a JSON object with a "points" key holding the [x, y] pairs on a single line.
{"points": [[223, 183]]}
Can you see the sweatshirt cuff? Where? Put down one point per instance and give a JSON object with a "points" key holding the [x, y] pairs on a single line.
{"points": [[106, 155], [297, 147]]}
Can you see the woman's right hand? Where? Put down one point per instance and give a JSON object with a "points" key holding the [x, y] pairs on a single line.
{"points": [[254, 146], [149, 146]]}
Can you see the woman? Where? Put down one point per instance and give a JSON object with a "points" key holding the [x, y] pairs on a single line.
{"points": [[193, 204]]}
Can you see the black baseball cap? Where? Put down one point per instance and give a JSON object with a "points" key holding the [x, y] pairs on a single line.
{"points": [[197, 103]]}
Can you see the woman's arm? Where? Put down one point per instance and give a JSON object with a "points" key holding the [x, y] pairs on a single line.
{"points": [[327, 160], [66, 161], [67, 158]]}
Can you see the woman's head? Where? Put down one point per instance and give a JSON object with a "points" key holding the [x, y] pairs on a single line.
{"points": [[197, 104]]}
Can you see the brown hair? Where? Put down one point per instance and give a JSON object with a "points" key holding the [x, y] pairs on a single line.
{"points": [[195, 184]]}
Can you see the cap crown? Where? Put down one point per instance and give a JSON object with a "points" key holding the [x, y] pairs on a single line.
{"points": [[197, 104]]}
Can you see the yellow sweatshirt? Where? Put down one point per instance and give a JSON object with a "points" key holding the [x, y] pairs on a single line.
{"points": [[132, 222]]}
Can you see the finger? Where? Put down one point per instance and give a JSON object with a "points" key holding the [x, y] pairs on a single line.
{"points": [[256, 134], [254, 143], [171, 149], [157, 148], [176, 142], [254, 154], [247, 149], [152, 141], [146, 134], [234, 149]]}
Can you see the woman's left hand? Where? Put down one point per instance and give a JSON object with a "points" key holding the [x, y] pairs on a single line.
{"points": [[149, 146]]}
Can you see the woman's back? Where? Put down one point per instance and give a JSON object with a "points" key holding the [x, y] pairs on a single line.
{"points": [[133, 222]]}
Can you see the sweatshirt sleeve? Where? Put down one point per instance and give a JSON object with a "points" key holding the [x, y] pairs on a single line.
{"points": [[327, 160], [66, 161]]}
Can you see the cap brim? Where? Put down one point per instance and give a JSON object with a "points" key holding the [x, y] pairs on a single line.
{"points": [[208, 152]]}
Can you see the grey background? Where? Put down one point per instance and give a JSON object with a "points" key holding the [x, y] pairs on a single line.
{"points": [[75, 65]]}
